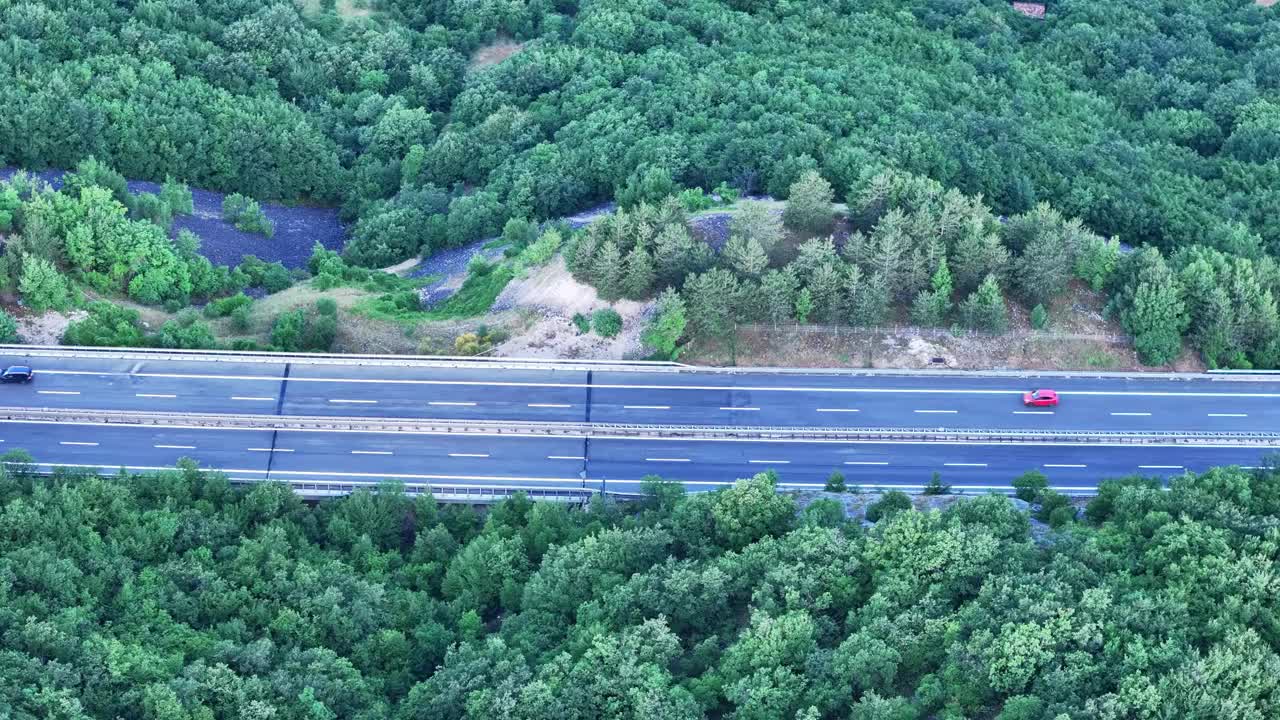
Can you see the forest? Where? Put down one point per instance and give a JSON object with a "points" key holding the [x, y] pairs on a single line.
{"points": [[1152, 122], [173, 595]]}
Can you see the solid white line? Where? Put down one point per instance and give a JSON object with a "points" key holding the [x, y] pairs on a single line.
{"points": [[548, 405], [1132, 414], [359, 402], [154, 395], [611, 386], [1049, 465], [175, 447], [1228, 415], [964, 464], [1032, 412], [838, 410], [864, 462], [770, 462], [1160, 467], [269, 449], [739, 408], [71, 442], [58, 392], [937, 411], [460, 404], [501, 478], [474, 455], [242, 397], [370, 452], [666, 459], [565, 457], [646, 407]]}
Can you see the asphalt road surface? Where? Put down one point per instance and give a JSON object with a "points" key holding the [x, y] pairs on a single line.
{"points": [[946, 402]]}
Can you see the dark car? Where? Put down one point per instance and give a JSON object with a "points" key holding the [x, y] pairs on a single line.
{"points": [[17, 374]]}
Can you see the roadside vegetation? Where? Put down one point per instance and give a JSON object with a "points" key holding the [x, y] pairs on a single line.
{"points": [[904, 250], [173, 595]]}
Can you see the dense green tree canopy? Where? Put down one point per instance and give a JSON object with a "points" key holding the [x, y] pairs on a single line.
{"points": [[175, 595], [1150, 122]]}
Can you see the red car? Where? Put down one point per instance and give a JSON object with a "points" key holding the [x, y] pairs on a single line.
{"points": [[1040, 398]]}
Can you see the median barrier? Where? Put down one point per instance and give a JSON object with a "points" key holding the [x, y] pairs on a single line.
{"points": [[610, 430]]}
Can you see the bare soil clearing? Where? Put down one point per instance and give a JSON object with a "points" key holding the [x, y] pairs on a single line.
{"points": [[44, 328], [494, 53], [553, 296], [1078, 338]]}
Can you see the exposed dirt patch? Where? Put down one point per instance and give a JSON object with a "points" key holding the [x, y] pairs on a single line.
{"points": [[494, 53], [1078, 337], [552, 296], [44, 328], [1266, 3], [346, 9]]}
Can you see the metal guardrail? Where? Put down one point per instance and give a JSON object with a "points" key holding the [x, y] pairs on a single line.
{"points": [[584, 429], [434, 361], [471, 362]]}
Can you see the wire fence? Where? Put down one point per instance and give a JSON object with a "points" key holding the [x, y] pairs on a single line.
{"points": [[929, 332]]}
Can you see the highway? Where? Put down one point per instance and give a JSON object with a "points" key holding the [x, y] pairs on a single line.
{"points": [[659, 396]]}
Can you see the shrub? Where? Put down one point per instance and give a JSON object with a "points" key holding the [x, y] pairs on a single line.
{"points": [[246, 214], [223, 307], [935, 486], [106, 325], [835, 482], [694, 200], [582, 322], [42, 286], [240, 317], [1039, 317], [327, 306], [1055, 507], [892, 502], [823, 512], [1029, 485], [606, 322], [8, 328], [186, 332]]}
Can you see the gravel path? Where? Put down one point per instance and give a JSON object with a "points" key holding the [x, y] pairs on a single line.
{"points": [[298, 228]]}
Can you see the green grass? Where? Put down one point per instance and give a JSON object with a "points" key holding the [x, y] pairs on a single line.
{"points": [[475, 297]]}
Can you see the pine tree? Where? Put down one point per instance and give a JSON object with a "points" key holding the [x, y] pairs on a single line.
{"points": [[746, 256], [977, 254], [808, 207], [712, 302], [931, 306], [676, 254], [582, 260], [870, 306], [607, 271], [638, 274], [778, 295], [825, 286], [804, 305], [756, 221], [985, 309], [1156, 320]]}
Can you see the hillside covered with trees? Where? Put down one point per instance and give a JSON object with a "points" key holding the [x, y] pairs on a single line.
{"points": [[172, 596], [1155, 122]]}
